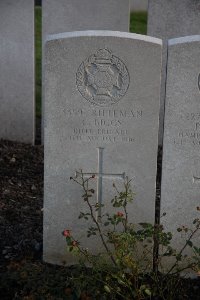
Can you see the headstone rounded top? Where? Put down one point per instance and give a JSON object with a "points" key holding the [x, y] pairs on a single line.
{"points": [[183, 40], [104, 33]]}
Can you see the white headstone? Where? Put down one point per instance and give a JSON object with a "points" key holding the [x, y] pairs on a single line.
{"points": [[17, 107], [169, 19], [181, 160], [138, 5], [73, 15], [101, 116]]}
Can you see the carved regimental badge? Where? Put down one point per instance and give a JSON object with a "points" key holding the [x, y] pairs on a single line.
{"points": [[103, 78]]}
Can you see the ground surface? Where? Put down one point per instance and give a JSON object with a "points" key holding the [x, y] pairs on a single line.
{"points": [[23, 275], [21, 190]]}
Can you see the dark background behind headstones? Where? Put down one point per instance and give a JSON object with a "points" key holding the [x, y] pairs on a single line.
{"points": [[38, 2]]}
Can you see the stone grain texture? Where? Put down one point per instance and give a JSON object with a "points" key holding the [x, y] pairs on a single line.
{"points": [[101, 116], [171, 19], [181, 162], [74, 15], [17, 107]]}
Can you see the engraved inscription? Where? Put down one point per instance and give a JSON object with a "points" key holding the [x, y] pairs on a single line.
{"points": [[191, 134], [103, 78], [103, 125]]}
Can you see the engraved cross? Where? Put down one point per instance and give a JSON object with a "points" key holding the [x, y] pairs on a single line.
{"points": [[100, 175], [196, 179]]}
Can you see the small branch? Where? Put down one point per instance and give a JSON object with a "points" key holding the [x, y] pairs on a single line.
{"points": [[183, 248], [95, 221], [100, 233]]}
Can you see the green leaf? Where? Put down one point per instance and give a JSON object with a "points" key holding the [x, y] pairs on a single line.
{"points": [[148, 292], [145, 225], [71, 249], [81, 215], [197, 250], [189, 243], [107, 289], [121, 282], [106, 223], [68, 240], [178, 257]]}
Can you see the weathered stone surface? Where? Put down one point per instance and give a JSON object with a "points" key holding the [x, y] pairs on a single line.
{"points": [[138, 5], [173, 18], [74, 15], [181, 163], [101, 116], [17, 108], [170, 19]]}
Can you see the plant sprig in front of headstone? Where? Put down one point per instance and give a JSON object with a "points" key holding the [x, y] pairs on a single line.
{"points": [[125, 268]]}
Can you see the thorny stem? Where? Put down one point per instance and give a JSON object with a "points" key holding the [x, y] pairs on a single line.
{"points": [[82, 251], [155, 248], [125, 204], [161, 285], [185, 268], [181, 251], [127, 185], [158, 284], [94, 219]]}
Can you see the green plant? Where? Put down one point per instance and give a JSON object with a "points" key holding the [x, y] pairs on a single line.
{"points": [[125, 269]]}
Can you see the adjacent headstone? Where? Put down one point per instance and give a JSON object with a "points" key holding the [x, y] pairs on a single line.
{"points": [[139, 5], [73, 15], [181, 160], [17, 107], [170, 19], [101, 116]]}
